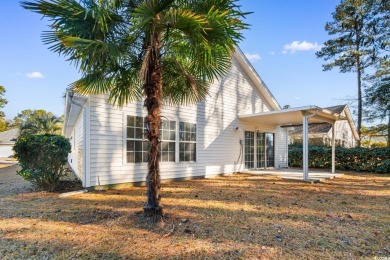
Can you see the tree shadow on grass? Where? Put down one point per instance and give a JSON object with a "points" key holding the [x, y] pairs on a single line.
{"points": [[221, 212]]}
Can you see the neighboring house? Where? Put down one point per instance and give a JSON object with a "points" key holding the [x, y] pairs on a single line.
{"points": [[237, 127], [7, 142], [321, 134]]}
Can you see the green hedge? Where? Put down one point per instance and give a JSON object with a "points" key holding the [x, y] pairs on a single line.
{"points": [[354, 159], [42, 159]]}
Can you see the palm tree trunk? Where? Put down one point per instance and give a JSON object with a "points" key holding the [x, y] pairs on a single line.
{"points": [[153, 92]]}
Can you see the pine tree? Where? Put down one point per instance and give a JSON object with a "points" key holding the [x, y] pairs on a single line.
{"points": [[355, 26], [378, 96]]}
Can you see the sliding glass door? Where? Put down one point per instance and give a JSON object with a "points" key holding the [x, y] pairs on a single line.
{"points": [[259, 150], [270, 149], [249, 150]]}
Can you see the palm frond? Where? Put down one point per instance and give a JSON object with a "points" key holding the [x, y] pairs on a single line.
{"points": [[110, 41]]}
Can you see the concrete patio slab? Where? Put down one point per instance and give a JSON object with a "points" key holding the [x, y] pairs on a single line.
{"points": [[295, 174]]}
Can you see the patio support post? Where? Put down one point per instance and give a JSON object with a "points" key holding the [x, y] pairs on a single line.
{"points": [[305, 148], [333, 148]]}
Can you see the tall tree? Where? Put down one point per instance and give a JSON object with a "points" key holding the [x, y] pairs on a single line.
{"points": [[27, 114], [3, 102], [353, 49], [167, 50], [378, 96]]}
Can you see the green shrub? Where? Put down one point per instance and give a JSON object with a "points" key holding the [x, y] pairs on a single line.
{"points": [[42, 159], [354, 159]]}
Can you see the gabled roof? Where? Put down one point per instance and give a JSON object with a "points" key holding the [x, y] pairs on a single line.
{"points": [[256, 79], [337, 109], [325, 128], [9, 136]]}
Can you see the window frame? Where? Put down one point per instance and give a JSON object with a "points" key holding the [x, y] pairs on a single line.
{"points": [[176, 142], [168, 141], [126, 139], [188, 142]]}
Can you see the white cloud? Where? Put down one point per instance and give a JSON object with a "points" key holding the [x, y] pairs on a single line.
{"points": [[301, 46], [272, 53], [35, 75], [297, 97], [253, 57]]}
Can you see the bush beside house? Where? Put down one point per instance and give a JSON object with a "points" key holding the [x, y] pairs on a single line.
{"points": [[354, 159], [42, 159]]}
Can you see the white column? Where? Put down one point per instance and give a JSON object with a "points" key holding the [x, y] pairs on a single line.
{"points": [[305, 148], [333, 148]]}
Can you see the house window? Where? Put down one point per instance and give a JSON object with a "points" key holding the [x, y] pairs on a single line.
{"points": [[168, 141], [187, 142], [136, 146]]}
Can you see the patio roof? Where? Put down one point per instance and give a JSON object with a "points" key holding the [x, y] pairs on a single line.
{"points": [[293, 116], [300, 116]]}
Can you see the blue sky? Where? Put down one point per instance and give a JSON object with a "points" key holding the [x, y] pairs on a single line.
{"points": [[281, 45]]}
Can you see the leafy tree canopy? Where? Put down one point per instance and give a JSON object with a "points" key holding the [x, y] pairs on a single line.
{"points": [[359, 30], [38, 122], [3, 101]]}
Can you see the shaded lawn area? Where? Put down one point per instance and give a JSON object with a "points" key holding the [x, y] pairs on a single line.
{"points": [[234, 217]]}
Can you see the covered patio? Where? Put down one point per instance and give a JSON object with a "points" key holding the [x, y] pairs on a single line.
{"points": [[293, 117]]}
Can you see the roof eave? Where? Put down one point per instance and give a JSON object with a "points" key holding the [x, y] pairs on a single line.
{"points": [[256, 79], [74, 104]]}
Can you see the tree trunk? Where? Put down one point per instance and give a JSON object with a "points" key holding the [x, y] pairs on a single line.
{"points": [[153, 92], [359, 79]]}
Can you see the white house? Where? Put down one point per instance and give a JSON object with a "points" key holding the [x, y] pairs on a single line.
{"points": [[7, 142], [238, 126], [346, 133]]}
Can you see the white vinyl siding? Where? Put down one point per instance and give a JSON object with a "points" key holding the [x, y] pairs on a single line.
{"points": [[218, 133], [75, 158]]}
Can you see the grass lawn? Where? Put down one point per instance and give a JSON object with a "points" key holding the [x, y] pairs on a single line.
{"points": [[235, 217]]}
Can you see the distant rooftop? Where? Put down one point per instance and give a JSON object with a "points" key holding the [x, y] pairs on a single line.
{"points": [[9, 136], [336, 109]]}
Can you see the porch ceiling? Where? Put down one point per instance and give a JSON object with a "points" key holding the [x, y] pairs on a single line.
{"points": [[293, 116]]}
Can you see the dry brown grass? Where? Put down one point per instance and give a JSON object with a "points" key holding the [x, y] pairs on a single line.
{"points": [[235, 217]]}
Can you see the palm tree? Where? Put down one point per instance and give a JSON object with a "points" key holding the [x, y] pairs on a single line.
{"points": [[38, 124], [166, 50]]}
